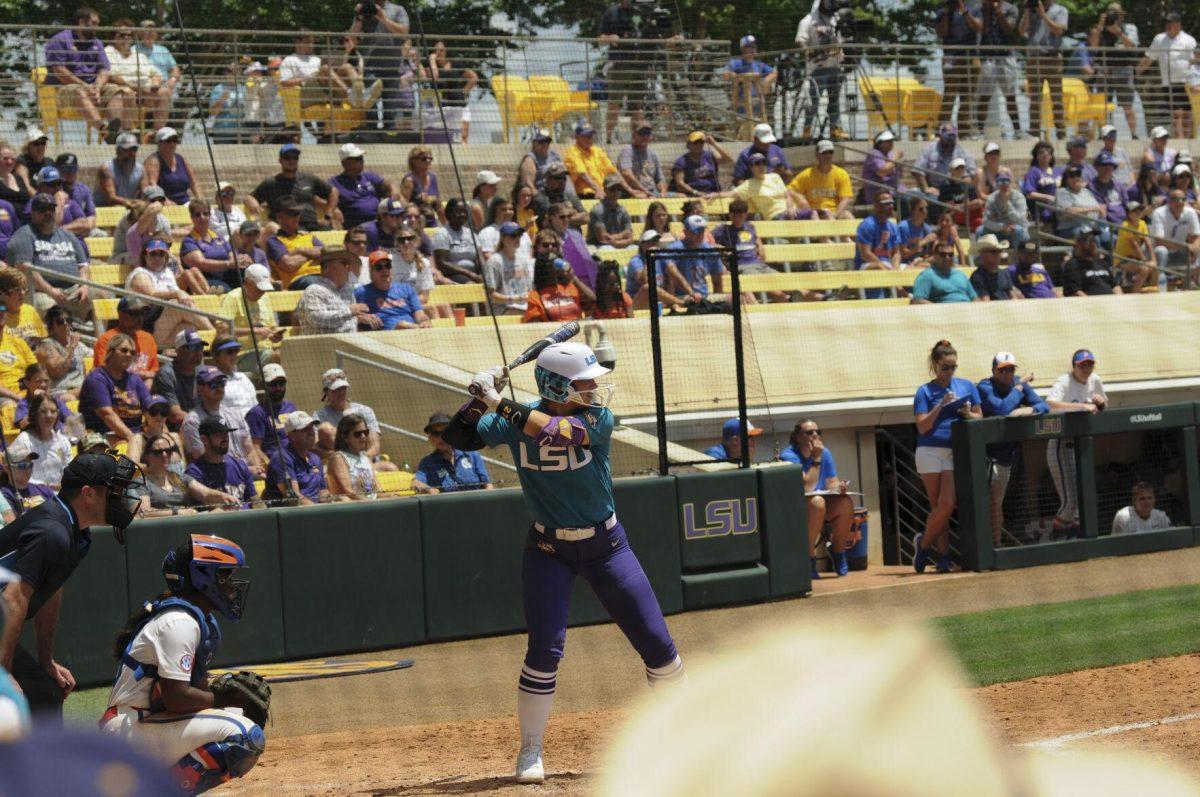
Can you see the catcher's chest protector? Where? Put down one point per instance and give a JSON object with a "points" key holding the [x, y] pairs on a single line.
{"points": [[210, 640]]}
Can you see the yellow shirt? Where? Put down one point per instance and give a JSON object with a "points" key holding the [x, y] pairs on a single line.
{"points": [[29, 325], [1127, 240], [594, 163], [15, 357], [823, 191], [261, 313], [300, 240], [765, 195]]}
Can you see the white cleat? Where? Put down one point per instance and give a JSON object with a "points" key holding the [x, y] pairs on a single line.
{"points": [[529, 766]]}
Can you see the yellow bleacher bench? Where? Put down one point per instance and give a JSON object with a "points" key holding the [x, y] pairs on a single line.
{"points": [[397, 481], [283, 301], [674, 204], [109, 216], [832, 280], [468, 293], [109, 273]]}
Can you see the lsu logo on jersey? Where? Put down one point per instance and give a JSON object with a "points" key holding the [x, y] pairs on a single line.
{"points": [[552, 458], [721, 518]]}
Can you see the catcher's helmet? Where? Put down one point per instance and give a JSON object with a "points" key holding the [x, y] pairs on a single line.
{"points": [[560, 365], [207, 564]]}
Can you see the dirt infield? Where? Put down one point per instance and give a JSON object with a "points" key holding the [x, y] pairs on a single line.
{"points": [[446, 726]]}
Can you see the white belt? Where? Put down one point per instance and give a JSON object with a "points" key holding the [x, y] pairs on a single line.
{"points": [[576, 534]]}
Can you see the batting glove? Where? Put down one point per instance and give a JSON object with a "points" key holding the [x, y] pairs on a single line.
{"points": [[500, 377], [483, 387]]}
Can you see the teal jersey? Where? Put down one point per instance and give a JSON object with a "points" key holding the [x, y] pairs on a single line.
{"points": [[14, 709], [563, 487]]}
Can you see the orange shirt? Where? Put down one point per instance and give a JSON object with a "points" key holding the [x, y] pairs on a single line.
{"points": [[559, 303], [147, 351], [622, 310]]}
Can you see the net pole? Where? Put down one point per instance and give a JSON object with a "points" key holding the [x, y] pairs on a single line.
{"points": [[660, 408], [739, 360]]}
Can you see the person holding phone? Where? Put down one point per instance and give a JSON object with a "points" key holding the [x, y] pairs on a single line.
{"points": [[833, 506], [936, 406]]}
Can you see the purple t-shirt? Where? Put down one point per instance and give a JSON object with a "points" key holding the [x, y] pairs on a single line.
{"points": [[358, 197], [745, 239], [377, 238], [127, 396], [870, 172], [259, 424], [701, 176], [231, 475], [775, 159], [83, 195], [23, 412], [71, 211], [84, 59], [213, 247], [286, 464], [1113, 198], [1034, 283], [1042, 182], [174, 182], [8, 225], [258, 255], [32, 496]]}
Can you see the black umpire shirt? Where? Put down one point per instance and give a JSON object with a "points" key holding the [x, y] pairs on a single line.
{"points": [[43, 547]]}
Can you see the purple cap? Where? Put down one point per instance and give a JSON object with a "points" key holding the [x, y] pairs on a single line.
{"points": [[43, 202], [511, 228], [157, 245], [948, 130], [1105, 158], [226, 345], [207, 374], [157, 400], [584, 129], [391, 207], [1083, 356], [757, 157], [188, 339], [286, 148]]}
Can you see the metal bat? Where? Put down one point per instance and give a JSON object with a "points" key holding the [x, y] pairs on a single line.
{"points": [[563, 333]]}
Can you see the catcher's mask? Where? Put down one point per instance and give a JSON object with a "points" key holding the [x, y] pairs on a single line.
{"points": [[208, 564], [119, 474]]}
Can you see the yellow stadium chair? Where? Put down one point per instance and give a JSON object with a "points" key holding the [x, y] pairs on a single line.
{"points": [[260, 485], [1081, 107], [100, 248], [105, 310], [208, 304], [457, 294], [109, 273], [339, 118], [332, 238], [900, 100], [442, 323], [52, 115], [72, 404], [486, 320], [177, 215], [88, 363], [207, 335], [518, 107], [394, 482], [283, 301], [108, 217], [556, 93], [808, 253]]}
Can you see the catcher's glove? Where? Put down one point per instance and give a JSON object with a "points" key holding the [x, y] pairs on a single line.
{"points": [[246, 690]]}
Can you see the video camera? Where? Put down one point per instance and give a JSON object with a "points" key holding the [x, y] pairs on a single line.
{"points": [[656, 22], [367, 9]]}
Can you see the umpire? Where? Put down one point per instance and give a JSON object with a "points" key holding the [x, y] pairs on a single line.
{"points": [[43, 547]]}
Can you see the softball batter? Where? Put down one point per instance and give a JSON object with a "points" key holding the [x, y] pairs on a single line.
{"points": [[561, 447]]}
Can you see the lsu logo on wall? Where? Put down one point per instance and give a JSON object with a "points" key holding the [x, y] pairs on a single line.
{"points": [[721, 518]]}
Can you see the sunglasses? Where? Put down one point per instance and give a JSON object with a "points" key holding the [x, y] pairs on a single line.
{"points": [[387, 266], [407, 239], [158, 413], [127, 352], [946, 253], [356, 243], [810, 432], [947, 367], [289, 157], [156, 253], [361, 434], [164, 451], [425, 158]]}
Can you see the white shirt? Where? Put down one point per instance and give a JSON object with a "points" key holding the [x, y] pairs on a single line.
{"points": [[1163, 224], [53, 456], [302, 66], [135, 69], [168, 642], [1174, 56], [162, 280], [1067, 390], [217, 221], [240, 395], [1127, 521]]}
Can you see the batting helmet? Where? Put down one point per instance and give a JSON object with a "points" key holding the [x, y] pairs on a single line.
{"points": [[207, 564], [560, 365]]}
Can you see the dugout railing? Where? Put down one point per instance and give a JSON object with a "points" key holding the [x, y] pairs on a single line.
{"points": [[1112, 451]]}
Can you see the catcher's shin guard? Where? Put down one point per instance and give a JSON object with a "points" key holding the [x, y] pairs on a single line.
{"points": [[210, 765]]}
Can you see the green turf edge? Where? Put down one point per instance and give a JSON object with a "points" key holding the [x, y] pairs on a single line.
{"points": [[1001, 645]]}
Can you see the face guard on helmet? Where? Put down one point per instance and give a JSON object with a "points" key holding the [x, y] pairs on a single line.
{"points": [[208, 565], [561, 365], [119, 476]]}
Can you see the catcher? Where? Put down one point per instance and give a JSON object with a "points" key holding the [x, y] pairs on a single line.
{"points": [[207, 731]]}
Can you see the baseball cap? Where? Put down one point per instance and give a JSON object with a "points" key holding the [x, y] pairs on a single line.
{"points": [[249, 226], [763, 133], [748, 41], [1183, 156], [1108, 130], [1181, 168], [152, 192], [254, 66], [1083, 356], [156, 245], [1073, 171], [165, 133], [67, 162], [948, 130], [1077, 141], [697, 135], [224, 344], [334, 378], [21, 450], [1132, 205], [350, 150], [273, 371], [91, 440], [584, 129], [884, 135], [208, 375], [391, 207], [1105, 158], [556, 170], [33, 134], [188, 339], [644, 130], [299, 420], [1004, 177], [510, 228], [100, 469], [1159, 132], [824, 146], [613, 181], [543, 134], [1086, 231], [288, 205], [224, 185], [437, 419], [954, 164], [757, 157], [695, 224], [42, 202], [1004, 358], [732, 428], [990, 147], [1027, 246], [259, 276], [214, 425], [158, 401], [132, 304], [487, 177], [288, 149], [378, 256], [649, 235], [127, 140], [48, 174]]}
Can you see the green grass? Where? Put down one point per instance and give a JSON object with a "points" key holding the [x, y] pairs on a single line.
{"points": [[85, 706], [1028, 641]]}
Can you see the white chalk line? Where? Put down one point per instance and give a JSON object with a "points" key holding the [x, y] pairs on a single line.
{"points": [[1057, 742]]}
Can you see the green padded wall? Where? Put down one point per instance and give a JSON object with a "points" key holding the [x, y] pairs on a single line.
{"points": [[351, 577], [647, 507], [785, 529], [726, 587], [258, 636], [719, 521]]}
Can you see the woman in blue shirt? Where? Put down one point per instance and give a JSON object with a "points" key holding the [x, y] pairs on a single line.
{"points": [[936, 406]]}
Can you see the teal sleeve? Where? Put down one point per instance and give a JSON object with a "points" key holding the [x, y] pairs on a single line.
{"points": [[494, 430], [599, 424]]}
